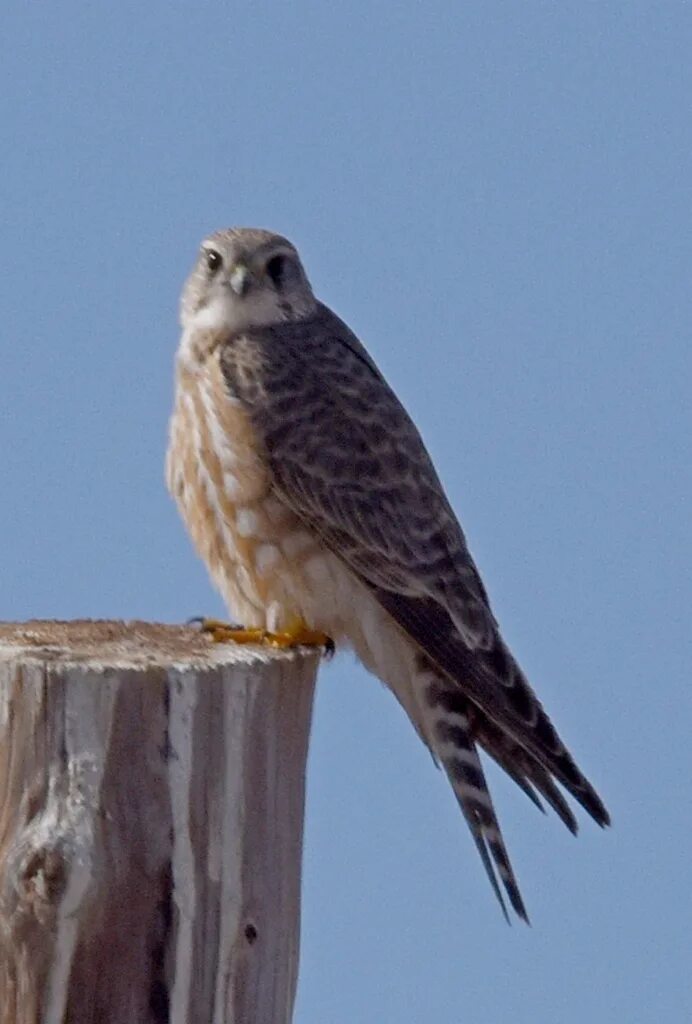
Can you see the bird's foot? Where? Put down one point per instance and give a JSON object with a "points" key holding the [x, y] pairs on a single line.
{"points": [[297, 634]]}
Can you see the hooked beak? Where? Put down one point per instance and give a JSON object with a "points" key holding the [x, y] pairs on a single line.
{"points": [[239, 279]]}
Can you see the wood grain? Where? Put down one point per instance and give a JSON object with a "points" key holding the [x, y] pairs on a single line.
{"points": [[151, 820]]}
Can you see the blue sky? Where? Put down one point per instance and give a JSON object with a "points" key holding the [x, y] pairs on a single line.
{"points": [[496, 196]]}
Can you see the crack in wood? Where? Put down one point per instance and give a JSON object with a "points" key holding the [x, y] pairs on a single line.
{"points": [[159, 995]]}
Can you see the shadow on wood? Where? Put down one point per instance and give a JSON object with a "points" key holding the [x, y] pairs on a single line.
{"points": [[151, 821]]}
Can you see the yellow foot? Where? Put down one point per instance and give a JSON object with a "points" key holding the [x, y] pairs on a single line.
{"points": [[297, 635]]}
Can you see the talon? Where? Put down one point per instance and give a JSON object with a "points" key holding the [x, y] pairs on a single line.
{"points": [[228, 632], [206, 625], [297, 635]]}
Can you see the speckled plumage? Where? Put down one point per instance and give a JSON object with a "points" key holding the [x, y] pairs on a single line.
{"points": [[309, 494]]}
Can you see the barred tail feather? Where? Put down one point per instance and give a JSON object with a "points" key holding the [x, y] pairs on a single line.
{"points": [[449, 731], [465, 773]]}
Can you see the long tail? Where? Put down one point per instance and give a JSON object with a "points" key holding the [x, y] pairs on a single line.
{"points": [[528, 773], [448, 726]]}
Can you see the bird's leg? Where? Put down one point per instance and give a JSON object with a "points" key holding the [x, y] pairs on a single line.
{"points": [[296, 634]]}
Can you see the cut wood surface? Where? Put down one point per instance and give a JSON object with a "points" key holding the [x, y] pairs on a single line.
{"points": [[152, 791]]}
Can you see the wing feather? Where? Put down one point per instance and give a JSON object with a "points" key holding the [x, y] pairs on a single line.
{"points": [[346, 457]]}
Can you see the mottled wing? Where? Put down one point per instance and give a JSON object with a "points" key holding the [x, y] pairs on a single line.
{"points": [[346, 457]]}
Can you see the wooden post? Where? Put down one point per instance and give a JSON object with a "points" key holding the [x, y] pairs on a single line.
{"points": [[151, 820]]}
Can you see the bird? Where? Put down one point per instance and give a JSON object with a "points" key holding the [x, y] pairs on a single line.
{"points": [[309, 493]]}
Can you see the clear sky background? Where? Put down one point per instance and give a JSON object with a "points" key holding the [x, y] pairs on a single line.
{"points": [[497, 198]]}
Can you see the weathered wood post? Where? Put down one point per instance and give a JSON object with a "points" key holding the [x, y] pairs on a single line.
{"points": [[151, 820]]}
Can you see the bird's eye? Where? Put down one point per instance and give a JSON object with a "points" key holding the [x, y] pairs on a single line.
{"points": [[276, 270], [213, 259]]}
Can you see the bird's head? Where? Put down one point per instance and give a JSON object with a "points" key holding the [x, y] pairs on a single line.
{"points": [[245, 278]]}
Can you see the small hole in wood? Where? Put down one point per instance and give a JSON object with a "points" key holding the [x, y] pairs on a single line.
{"points": [[250, 934]]}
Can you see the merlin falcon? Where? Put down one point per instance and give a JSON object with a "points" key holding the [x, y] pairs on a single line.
{"points": [[310, 496]]}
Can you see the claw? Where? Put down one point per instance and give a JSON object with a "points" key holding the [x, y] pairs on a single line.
{"points": [[296, 635]]}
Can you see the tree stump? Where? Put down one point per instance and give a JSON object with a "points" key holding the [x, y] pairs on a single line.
{"points": [[152, 789]]}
